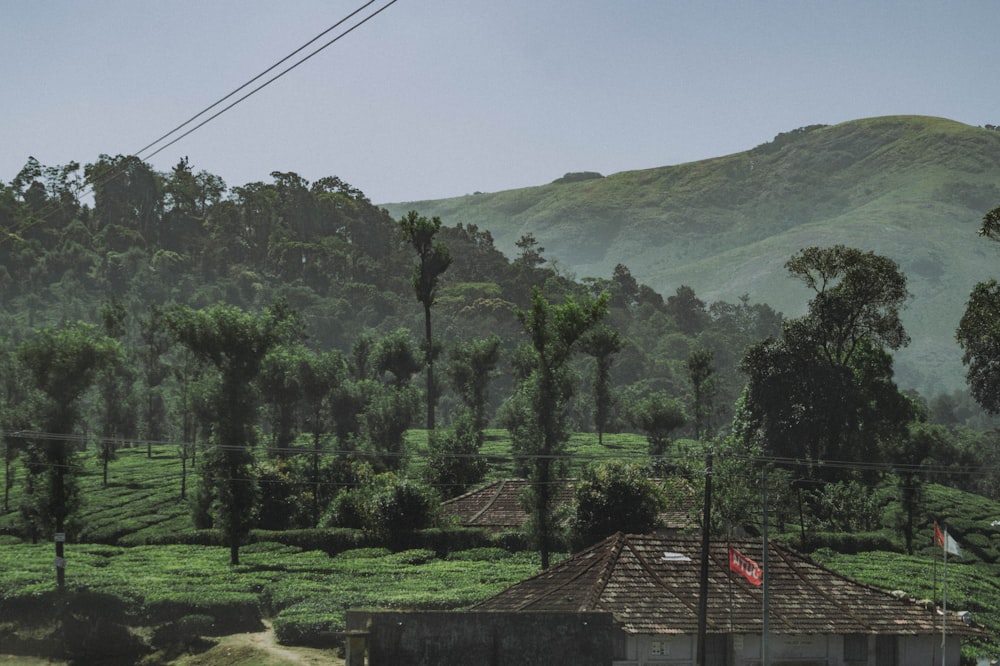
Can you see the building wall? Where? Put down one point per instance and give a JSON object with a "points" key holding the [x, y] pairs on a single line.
{"points": [[440, 638], [786, 650]]}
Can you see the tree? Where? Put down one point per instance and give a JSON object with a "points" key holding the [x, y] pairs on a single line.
{"points": [[657, 415], [235, 342], [615, 496], [471, 368], [825, 389], [117, 408], [320, 375], [282, 391], [455, 463], [602, 342], [14, 416], [153, 372], [61, 364], [531, 251], [979, 331], [701, 373], [433, 260], [687, 310], [554, 332]]}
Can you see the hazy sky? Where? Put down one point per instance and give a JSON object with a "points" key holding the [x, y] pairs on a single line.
{"points": [[439, 98]]}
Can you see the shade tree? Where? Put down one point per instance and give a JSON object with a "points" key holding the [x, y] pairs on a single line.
{"points": [[433, 259], [979, 331], [60, 364], [540, 432], [824, 390], [235, 343]]}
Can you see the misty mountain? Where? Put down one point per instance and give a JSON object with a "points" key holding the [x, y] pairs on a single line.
{"points": [[912, 188]]}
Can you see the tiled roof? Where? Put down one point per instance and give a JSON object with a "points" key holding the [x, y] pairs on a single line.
{"points": [[650, 593], [498, 506]]}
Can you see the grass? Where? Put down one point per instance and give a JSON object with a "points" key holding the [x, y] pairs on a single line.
{"points": [[305, 591]]}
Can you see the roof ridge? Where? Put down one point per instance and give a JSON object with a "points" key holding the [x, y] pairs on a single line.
{"points": [[555, 567], [488, 505], [609, 566]]}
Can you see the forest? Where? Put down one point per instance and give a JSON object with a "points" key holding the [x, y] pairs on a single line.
{"points": [[313, 363]]}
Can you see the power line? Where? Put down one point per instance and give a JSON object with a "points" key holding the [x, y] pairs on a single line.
{"points": [[269, 81], [269, 69]]}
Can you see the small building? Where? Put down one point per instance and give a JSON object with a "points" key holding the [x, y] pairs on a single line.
{"points": [[817, 617]]}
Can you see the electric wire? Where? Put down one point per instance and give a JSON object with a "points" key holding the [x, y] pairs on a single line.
{"points": [[266, 71]]}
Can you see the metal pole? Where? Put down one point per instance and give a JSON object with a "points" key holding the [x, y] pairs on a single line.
{"points": [[703, 580], [764, 654], [944, 602]]}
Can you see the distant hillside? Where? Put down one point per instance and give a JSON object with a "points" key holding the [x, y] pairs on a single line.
{"points": [[912, 188]]}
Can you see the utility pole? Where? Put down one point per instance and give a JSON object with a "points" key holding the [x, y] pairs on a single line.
{"points": [[765, 657], [705, 545]]}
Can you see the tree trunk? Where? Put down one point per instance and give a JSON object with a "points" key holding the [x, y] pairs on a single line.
{"points": [[431, 398]]}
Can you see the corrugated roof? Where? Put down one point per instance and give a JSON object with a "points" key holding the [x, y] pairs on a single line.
{"points": [[628, 576]]}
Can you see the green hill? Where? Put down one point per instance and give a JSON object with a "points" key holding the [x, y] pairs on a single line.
{"points": [[913, 188]]}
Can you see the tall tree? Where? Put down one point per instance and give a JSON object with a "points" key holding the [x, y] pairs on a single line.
{"points": [[280, 382], [472, 366], [554, 332], [319, 376], [825, 389], [14, 416], [433, 260], [61, 364], [602, 342], [701, 374], [979, 331], [153, 372], [455, 463], [117, 409], [235, 342]]}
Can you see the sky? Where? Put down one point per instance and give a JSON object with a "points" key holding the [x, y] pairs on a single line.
{"points": [[441, 98]]}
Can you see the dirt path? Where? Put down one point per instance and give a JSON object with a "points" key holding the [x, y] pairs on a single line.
{"points": [[259, 649], [249, 649]]}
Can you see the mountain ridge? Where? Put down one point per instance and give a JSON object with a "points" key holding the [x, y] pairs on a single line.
{"points": [[913, 188]]}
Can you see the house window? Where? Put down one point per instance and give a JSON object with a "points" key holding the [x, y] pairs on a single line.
{"points": [[856, 648], [885, 651], [659, 649]]}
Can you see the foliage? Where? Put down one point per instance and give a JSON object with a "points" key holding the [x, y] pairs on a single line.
{"points": [[554, 333], [615, 496], [979, 335], [454, 461], [825, 389], [657, 415], [236, 343], [386, 506], [433, 260], [60, 364]]}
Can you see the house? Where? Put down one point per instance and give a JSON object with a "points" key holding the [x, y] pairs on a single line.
{"points": [[498, 507], [817, 617]]}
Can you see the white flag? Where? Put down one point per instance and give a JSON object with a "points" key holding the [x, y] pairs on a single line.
{"points": [[951, 545]]}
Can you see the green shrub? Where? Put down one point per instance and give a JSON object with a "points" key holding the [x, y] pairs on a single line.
{"points": [[184, 633]]}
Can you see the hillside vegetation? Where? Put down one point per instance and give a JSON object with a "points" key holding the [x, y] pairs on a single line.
{"points": [[912, 188]]}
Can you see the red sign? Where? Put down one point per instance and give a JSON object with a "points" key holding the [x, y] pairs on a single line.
{"points": [[746, 567]]}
